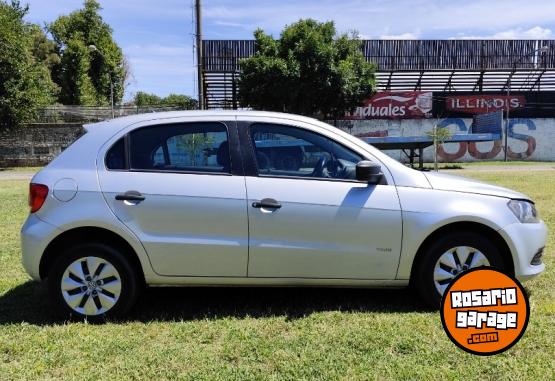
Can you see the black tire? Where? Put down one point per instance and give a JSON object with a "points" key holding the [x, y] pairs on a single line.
{"points": [[130, 285], [423, 277]]}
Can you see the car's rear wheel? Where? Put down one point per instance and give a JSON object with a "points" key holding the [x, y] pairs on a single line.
{"points": [[92, 281], [450, 256]]}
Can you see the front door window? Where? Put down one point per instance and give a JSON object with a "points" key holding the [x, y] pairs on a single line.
{"points": [[293, 152]]}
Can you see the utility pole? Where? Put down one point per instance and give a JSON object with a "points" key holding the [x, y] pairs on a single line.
{"points": [[506, 153], [199, 54], [112, 96]]}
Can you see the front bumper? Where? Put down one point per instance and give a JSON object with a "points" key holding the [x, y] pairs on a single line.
{"points": [[525, 240], [35, 236]]}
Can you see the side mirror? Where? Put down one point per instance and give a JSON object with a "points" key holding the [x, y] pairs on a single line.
{"points": [[369, 172]]}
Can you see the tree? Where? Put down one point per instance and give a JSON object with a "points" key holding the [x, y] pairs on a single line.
{"points": [[309, 70], [128, 77], [25, 83], [145, 99], [195, 145], [184, 102], [439, 136], [90, 58], [44, 49]]}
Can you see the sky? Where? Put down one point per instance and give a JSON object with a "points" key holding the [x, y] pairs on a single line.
{"points": [[157, 36]]}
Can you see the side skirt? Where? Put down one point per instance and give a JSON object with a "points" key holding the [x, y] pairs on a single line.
{"points": [[274, 282]]}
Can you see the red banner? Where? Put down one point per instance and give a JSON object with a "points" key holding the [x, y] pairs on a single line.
{"points": [[395, 105], [478, 104]]}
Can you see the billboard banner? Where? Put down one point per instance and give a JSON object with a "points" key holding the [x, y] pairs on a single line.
{"points": [[479, 104], [395, 105]]}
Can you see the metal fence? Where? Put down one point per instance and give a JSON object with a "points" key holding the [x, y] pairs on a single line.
{"points": [[411, 55], [409, 65], [91, 114]]}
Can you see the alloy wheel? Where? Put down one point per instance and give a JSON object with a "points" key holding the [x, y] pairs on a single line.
{"points": [[91, 286], [455, 261]]}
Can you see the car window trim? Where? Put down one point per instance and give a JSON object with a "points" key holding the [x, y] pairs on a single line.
{"points": [[127, 151], [247, 150], [181, 172]]}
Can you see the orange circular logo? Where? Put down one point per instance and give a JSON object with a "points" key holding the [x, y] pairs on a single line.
{"points": [[485, 311]]}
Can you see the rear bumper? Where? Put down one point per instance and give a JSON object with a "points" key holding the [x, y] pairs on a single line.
{"points": [[35, 236], [525, 240]]}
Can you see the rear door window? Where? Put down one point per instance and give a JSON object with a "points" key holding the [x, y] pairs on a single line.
{"points": [[188, 147]]}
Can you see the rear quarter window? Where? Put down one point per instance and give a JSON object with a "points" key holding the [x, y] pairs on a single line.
{"points": [[115, 158]]}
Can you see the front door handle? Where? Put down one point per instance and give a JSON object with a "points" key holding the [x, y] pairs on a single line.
{"points": [[268, 203], [130, 196]]}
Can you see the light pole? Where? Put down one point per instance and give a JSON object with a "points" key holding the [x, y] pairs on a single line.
{"points": [[542, 50], [198, 35], [93, 48]]}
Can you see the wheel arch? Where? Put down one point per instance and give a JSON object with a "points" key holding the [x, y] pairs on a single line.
{"points": [[86, 234], [465, 226]]}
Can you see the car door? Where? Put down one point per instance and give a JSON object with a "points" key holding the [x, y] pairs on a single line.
{"points": [[309, 217], [178, 188]]}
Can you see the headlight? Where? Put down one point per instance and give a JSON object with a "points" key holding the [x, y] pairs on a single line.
{"points": [[525, 211]]}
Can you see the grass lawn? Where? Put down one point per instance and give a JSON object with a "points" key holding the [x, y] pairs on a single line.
{"points": [[500, 163], [493, 164], [262, 334], [20, 169]]}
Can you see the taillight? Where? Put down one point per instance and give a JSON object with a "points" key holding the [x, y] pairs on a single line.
{"points": [[37, 196]]}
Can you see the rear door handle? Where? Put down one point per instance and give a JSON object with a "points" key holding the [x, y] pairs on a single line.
{"points": [[268, 203], [130, 196]]}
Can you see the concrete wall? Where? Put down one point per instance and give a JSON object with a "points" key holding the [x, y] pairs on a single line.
{"points": [[529, 139], [36, 144]]}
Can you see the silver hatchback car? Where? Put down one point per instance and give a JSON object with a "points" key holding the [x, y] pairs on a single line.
{"points": [[261, 199]]}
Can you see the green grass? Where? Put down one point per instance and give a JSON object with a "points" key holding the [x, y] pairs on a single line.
{"points": [[262, 334], [501, 163], [20, 169], [430, 167], [486, 163]]}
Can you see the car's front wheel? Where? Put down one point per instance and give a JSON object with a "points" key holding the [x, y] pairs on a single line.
{"points": [[450, 256], [92, 281]]}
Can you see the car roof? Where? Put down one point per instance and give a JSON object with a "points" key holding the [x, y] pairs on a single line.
{"points": [[122, 122]]}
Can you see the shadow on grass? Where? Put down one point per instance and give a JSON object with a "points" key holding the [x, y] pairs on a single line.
{"points": [[28, 303]]}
